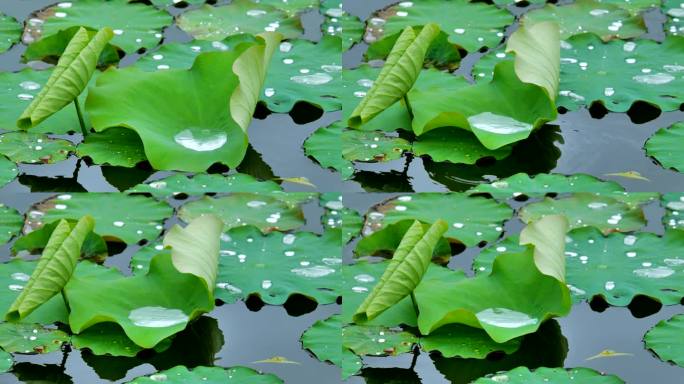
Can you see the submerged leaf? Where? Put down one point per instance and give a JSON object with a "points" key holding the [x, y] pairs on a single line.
{"points": [[397, 76], [54, 269], [629, 175], [72, 74], [608, 353], [405, 271], [276, 360]]}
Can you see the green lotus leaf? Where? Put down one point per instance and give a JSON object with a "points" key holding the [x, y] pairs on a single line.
{"points": [[358, 280], [663, 146], [54, 269], [339, 23], [324, 340], [605, 212], [165, 3], [531, 76], [372, 146], [377, 341], [469, 25], [50, 48], [204, 183], [268, 212], [210, 375], [552, 375], [290, 6], [69, 78], [277, 265], [114, 146], [466, 342], [30, 338], [511, 2], [384, 242], [29, 147], [117, 216], [13, 276], [93, 246], [135, 25], [455, 146], [397, 76], [472, 219], [6, 361], [8, 171], [10, 32], [405, 270], [182, 55], [533, 294], [673, 9], [633, 6], [336, 215], [206, 132], [547, 235], [10, 223], [521, 184], [171, 300], [357, 82], [674, 204], [665, 340], [109, 339], [195, 248], [239, 17], [305, 71], [16, 93], [608, 21], [324, 146], [620, 73]]}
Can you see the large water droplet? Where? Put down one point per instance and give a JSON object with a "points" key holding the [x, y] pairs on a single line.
{"points": [[505, 318], [157, 317], [201, 140], [318, 78], [654, 79], [501, 125], [654, 273], [313, 272]]}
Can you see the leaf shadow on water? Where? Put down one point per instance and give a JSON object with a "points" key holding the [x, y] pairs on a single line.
{"points": [[37, 373], [545, 348], [197, 345], [537, 154]]}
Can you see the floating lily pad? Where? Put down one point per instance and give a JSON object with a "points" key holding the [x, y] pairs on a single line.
{"points": [[607, 213], [114, 146], [665, 340], [324, 146], [357, 82], [182, 55], [304, 71], [135, 25], [204, 183], [129, 219], [663, 146], [372, 146], [10, 32], [339, 23], [471, 219], [377, 341], [633, 6], [469, 25], [464, 341], [543, 184], [552, 375], [608, 21], [30, 338], [6, 361], [17, 90], [675, 16], [268, 212], [106, 339], [14, 275], [290, 6], [324, 340], [238, 17], [337, 215], [619, 73], [674, 205], [164, 3], [210, 375], [455, 146], [278, 265], [10, 223], [28, 147], [8, 171]]}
